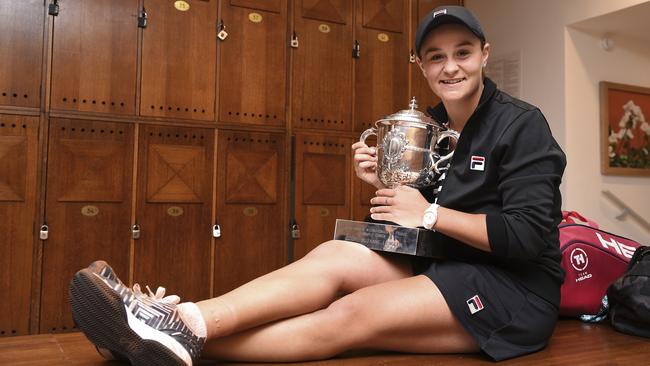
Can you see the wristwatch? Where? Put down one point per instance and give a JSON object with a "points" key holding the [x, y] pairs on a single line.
{"points": [[430, 216]]}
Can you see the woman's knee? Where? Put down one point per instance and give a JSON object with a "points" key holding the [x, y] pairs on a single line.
{"points": [[345, 314], [341, 257], [331, 261], [356, 266], [337, 249]]}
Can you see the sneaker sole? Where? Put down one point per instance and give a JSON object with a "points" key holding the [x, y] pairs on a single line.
{"points": [[100, 313], [97, 267]]}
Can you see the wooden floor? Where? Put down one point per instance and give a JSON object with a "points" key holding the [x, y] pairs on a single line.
{"points": [[573, 343]]}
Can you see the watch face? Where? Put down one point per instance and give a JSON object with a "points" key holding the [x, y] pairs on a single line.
{"points": [[429, 217]]}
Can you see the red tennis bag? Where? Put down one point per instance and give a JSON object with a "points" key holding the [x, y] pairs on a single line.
{"points": [[593, 259]]}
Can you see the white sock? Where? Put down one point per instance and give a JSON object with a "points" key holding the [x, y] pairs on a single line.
{"points": [[191, 315]]}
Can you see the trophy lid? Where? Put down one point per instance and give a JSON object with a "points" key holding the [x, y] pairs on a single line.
{"points": [[410, 115]]}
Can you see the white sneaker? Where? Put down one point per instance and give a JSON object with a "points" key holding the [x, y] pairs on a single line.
{"points": [[147, 329]]}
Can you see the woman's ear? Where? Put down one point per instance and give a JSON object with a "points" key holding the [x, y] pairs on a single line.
{"points": [[419, 62], [485, 54]]}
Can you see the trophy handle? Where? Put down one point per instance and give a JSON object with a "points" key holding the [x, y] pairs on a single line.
{"points": [[367, 133], [443, 135]]}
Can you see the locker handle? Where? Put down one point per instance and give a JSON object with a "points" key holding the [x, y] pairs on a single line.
{"points": [[412, 57], [142, 18], [216, 231], [221, 30], [295, 231], [44, 232], [294, 40], [356, 50], [53, 8], [135, 231]]}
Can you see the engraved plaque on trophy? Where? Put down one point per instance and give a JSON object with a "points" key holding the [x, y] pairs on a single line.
{"points": [[407, 154], [389, 238]]}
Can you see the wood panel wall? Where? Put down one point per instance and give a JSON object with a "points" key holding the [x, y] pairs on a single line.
{"points": [[131, 130], [174, 209], [252, 192], [179, 60], [21, 31], [18, 165], [94, 56], [253, 63], [87, 207]]}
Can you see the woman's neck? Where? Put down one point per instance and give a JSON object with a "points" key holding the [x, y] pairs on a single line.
{"points": [[460, 111]]}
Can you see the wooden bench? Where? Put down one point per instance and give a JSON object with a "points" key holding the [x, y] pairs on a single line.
{"points": [[573, 343]]}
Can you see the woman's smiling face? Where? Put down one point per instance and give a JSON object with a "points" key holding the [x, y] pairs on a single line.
{"points": [[451, 59]]}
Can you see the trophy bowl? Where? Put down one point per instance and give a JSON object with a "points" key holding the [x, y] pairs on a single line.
{"points": [[408, 147]]}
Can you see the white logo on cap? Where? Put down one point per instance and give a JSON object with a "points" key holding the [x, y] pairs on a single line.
{"points": [[439, 12]]}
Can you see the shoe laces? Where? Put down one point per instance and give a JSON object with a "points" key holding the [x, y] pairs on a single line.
{"points": [[159, 295]]}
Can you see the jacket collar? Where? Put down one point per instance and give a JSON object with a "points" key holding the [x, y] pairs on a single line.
{"points": [[439, 113]]}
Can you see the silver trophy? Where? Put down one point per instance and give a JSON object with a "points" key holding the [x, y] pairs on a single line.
{"points": [[408, 153], [407, 147]]}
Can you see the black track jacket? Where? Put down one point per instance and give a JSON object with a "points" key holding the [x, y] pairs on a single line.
{"points": [[508, 166]]}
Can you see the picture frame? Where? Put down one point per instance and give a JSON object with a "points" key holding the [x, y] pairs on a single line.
{"points": [[624, 129]]}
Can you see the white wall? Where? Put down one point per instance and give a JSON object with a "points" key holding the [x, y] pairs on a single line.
{"points": [[561, 68], [586, 65]]}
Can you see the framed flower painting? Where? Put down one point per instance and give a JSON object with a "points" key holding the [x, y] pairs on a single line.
{"points": [[625, 132]]}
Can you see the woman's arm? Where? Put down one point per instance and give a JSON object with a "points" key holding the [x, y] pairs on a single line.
{"points": [[405, 206]]}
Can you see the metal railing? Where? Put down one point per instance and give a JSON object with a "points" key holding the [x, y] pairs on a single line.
{"points": [[627, 210]]}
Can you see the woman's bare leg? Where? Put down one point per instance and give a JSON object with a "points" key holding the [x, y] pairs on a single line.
{"points": [[304, 286], [407, 315]]}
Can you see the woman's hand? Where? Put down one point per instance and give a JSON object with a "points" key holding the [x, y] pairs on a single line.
{"points": [[403, 205], [365, 164]]}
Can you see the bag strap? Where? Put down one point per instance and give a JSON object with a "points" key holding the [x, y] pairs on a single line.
{"points": [[570, 216]]}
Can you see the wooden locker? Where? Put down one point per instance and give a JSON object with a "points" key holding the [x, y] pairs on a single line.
{"points": [[21, 61], [253, 62], [88, 208], [174, 210], [381, 73], [322, 188], [94, 56], [251, 203], [322, 65], [420, 88], [179, 60], [18, 163]]}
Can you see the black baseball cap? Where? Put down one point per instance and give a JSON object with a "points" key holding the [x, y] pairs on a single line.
{"points": [[445, 15]]}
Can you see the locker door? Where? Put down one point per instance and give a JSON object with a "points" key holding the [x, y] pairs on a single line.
{"points": [[322, 65], [21, 39], [253, 62], [381, 73], [174, 209], [94, 56], [420, 88], [250, 207], [18, 154], [322, 191], [179, 60], [88, 208]]}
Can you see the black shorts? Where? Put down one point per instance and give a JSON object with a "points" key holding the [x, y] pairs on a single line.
{"points": [[505, 318]]}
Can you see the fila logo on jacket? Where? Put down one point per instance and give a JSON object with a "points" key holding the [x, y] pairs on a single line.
{"points": [[477, 163]]}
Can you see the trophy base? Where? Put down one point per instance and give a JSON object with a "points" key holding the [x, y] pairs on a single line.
{"points": [[389, 238]]}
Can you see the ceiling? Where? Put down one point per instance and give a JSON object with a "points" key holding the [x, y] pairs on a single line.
{"points": [[632, 22]]}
